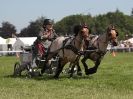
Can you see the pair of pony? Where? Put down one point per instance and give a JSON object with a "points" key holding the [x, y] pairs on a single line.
{"points": [[68, 48]]}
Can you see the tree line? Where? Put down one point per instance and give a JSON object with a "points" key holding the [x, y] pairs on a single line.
{"points": [[97, 24]]}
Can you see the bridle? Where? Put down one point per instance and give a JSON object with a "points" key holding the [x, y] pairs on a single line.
{"points": [[112, 36]]}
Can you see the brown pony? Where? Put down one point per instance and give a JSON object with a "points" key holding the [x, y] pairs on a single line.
{"points": [[67, 48], [100, 48]]}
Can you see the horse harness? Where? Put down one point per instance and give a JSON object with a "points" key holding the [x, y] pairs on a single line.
{"points": [[69, 46], [96, 49]]}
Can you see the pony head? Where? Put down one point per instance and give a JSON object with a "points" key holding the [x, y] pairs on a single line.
{"points": [[112, 35], [82, 30]]}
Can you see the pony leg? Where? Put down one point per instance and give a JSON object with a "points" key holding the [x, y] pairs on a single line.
{"points": [[46, 64], [59, 68], [72, 69], [78, 67], [44, 67], [79, 72], [94, 69], [85, 65]]}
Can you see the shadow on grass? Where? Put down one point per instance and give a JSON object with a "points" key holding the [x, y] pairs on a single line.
{"points": [[47, 77]]}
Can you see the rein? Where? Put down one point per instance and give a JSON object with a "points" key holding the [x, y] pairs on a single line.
{"points": [[70, 46], [96, 48], [102, 53]]}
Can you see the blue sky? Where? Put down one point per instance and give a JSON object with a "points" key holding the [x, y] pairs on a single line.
{"points": [[21, 12]]}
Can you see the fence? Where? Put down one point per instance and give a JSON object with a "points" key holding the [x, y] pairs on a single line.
{"points": [[122, 49]]}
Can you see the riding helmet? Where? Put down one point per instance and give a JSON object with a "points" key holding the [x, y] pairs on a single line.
{"points": [[47, 22]]}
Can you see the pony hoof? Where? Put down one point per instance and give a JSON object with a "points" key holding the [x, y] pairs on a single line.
{"points": [[87, 73], [91, 71], [56, 77]]}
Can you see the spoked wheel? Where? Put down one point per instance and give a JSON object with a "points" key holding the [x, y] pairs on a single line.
{"points": [[29, 71], [54, 65], [17, 70]]}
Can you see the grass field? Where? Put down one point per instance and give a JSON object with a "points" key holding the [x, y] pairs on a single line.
{"points": [[114, 80]]}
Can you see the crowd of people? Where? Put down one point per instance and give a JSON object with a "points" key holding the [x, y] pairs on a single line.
{"points": [[126, 44]]}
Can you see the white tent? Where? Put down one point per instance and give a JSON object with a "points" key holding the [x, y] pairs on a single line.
{"points": [[28, 41], [2, 40], [22, 42], [129, 40], [16, 43], [3, 45], [10, 41]]}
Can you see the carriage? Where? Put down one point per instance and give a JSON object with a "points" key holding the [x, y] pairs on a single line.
{"points": [[68, 50], [30, 65]]}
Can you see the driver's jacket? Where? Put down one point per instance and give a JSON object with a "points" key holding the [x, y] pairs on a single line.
{"points": [[45, 37], [44, 40]]}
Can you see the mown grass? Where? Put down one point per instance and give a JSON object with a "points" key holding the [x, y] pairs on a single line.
{"points": [[113, 80]]}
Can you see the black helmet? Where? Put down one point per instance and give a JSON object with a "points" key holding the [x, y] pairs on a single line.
{"points": [[47, 22]]}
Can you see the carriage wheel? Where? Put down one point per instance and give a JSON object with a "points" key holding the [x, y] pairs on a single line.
{"points": [[17, 69], [54, 65]]}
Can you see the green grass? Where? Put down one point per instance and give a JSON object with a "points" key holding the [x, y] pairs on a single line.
{"points": [[113, 80]]}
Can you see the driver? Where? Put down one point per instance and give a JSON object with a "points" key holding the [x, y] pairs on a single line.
{"points": [[45, 37]]}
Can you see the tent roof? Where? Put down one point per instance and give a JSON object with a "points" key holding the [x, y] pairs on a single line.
{"points": [[26, 40], [129, 40]]}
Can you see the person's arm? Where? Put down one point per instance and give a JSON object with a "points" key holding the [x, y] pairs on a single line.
{"points": [[43, 36], [55, 34]]}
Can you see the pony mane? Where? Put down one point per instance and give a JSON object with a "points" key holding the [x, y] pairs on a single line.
{"points": [[76, 29], [110, 27]]}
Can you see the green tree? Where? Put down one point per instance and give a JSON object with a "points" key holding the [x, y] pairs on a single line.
{"points": [[33, 28], [97, 24], [132, 12], [65, 26], [7, 29]]}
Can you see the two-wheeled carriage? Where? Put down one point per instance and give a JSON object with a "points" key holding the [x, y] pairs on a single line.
{"points": [[30, 65]]}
